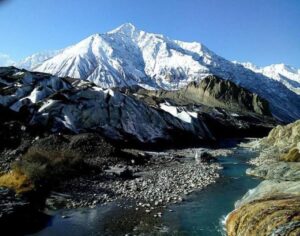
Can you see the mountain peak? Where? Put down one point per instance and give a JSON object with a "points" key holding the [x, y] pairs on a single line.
{"points": [[126, 28]]}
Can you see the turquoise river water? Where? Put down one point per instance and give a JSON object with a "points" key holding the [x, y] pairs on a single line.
{"points": [[201, 213]]}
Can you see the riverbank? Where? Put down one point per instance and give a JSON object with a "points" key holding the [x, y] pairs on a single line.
{"points": [[163, 178], [143, 186], [199, 213], [276, 201]]}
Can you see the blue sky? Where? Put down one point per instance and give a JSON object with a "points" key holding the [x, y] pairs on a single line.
{"points": [[261, 31]]}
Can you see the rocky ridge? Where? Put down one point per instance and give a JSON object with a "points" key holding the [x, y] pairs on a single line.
{"points": [[70, 105], [62, 104], [213, 91]]}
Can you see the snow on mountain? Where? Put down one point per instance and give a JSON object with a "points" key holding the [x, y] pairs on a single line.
{"points": [[6, 60], [285, 74], [63, 103], [29, 63], [128, 56]]}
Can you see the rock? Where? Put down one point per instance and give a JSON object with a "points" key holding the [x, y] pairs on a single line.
{"points": [[121, 171], [285, 171], [10, 203], [266, 216], [269, 188], [207, 157], [216, 92], [157, 184], [292, 156], [68, 105], [281, 143], [65, 105], [273, 207], [57, 200]]}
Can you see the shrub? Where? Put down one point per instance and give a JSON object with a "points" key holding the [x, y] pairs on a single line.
{"points": [[17, 181], [45, 166]]}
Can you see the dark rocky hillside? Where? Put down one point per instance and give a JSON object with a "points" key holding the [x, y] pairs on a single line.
{"points": [[213, 91]]}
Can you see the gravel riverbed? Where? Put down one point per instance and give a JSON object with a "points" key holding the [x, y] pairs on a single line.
{"points": [[166, 178]]}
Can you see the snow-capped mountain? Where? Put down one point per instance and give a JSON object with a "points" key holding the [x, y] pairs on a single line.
{"points": [[285, 74], [128, 56], [36, 59]]}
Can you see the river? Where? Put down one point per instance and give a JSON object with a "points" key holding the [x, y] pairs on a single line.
{"points": [[202, 213]]}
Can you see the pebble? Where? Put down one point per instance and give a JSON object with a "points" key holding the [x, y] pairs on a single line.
{"points": [[165, 182]]}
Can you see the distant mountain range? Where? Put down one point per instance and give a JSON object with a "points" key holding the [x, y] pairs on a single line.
{"points": [[285, 74], [127, 57]]}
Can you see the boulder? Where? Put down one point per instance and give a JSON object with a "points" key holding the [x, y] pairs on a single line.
{"points": [[276, 215], [284, 171], [292, 156], [268, 189]]}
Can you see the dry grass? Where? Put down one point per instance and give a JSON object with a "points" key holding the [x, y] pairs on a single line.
{"points": [[17, 181], [40, 167]]}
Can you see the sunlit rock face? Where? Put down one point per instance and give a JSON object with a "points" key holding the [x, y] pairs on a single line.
{"points": [[276, 215], [212, 91], [273, 207], [283, 137], [269, 189], [281, 144], [284, 171]]}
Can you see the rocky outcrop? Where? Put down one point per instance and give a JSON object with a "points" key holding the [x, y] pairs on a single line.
{"points": [[215, 92], [69, 105], [226, 108], [273, 207], [285, 171], [268, 216], [282, 143], [292, 156], [268, 189]]}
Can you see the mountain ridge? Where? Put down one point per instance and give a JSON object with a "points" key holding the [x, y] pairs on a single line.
{"points": [[127, 56], [287, 75], [71, 105]]}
